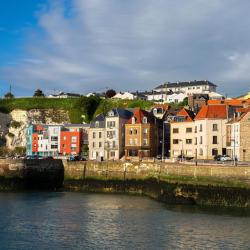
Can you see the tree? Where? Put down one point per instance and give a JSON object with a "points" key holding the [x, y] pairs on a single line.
{"points": [[38, 93], [110, 93], [88, 106], [9, 95]]}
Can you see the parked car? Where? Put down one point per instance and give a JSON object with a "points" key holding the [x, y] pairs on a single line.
{"points": [[186, 158], [76, 158], [222, 158]]}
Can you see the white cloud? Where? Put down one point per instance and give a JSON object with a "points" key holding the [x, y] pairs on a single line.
{"points": [[85, 45]]}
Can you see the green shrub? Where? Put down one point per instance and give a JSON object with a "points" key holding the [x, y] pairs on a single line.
{"points": [[15, 124]]}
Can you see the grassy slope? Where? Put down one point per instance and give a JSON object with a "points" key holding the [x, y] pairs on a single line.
{"points": [[69, 104]]}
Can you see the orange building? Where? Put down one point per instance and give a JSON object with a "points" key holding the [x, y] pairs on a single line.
{"points": [[70, 142], [141, 135]]}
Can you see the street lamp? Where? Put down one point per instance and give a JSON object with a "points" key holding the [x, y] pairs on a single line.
{"points": [[163, 141], [181, 149]]}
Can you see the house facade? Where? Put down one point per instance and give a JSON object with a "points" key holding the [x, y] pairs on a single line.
{"points": [[182, 134], [97, 138], [237, 139], [210, 131], [141, 135], [115, 133]]}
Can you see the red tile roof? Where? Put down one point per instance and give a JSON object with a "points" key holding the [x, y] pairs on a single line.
{"points": [[188, 114], [231, 102], [212, 112], [139, 114]]}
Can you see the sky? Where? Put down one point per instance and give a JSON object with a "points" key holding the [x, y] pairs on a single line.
{"points": [[90, 45]]}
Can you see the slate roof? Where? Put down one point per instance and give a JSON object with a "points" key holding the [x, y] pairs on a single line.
{"points": [[122, 113], [101, 119], [185, 84]]}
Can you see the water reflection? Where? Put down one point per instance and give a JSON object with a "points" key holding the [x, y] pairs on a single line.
{"points": [[102, 221]]}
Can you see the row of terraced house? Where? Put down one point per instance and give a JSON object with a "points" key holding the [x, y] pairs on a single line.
{"points": [[219, 127]]}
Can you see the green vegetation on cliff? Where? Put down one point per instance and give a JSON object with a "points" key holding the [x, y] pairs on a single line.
{"points": [[80, 109]]}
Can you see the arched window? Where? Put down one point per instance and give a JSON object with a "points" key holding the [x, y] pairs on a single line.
{"points": [[144, 120]]}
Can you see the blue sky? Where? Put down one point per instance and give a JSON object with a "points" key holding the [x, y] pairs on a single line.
{"points": [[88, 45]]}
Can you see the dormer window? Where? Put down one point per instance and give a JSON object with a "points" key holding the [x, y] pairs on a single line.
{"points": [[133, 120], [97, 124], [144, 120], [111, 113]]}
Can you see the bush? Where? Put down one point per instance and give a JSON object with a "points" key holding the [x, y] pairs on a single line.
{"points": [[15, 124]]}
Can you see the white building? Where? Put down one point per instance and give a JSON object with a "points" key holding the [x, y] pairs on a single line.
{"points": [[187, 88], [125, 96], [176, 97]]}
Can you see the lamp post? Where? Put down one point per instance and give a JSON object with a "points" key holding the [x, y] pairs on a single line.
{"points": [[163, 142], [181, 149]]}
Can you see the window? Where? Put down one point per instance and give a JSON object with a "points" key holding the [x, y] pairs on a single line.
{"points": [[100, 134], [131, 131], [93, 135], [73, 139], [215, 140], [145, 131], [188, 141], [136, 141], [130, 142], [73, 147], [133, 120], [113, 144], [54, 138], [144, 120], [195, 142], [201, 151], [214, 151], [112, 154], [100, 144], [175, 141], [188, 130], [215, 127], [93, 144], [200, 139], [97, 124], [195, 130], [135, 131], [54, 146], [200, 127], [175, 130], [64, 138], [145, 142]]}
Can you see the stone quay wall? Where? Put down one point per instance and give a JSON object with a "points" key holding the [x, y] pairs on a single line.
{"points": [[138, 170]]}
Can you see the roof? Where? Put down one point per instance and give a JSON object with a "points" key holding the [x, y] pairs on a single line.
{"points": [[101, 119], [164, 106], [122, 113], [139, 114], [77, 125], [212, 112], [185, 84], [231, 102], [187, 114]]}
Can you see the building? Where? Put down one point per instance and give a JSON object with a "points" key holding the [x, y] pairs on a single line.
{"points": [[176, 97], [182, 134], [43, 140], [188, 87], [237, 135], [64, 95], [124, 96], [74, 139], [159, 110], [97, 138], [115, 133], [141, 135], [52, 140], [196, 101], [210, 131]]}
